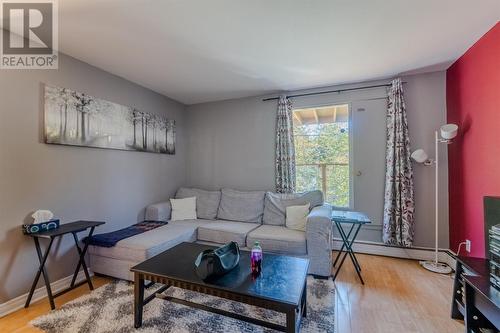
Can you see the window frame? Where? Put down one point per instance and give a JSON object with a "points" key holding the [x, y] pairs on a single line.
{"points": [[351, 141]]}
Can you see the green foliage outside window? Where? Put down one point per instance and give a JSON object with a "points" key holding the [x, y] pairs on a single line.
{"points": [[322, 151]]}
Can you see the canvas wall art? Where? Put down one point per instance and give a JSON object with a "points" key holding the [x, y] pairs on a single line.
{"points": [[77, 119]]}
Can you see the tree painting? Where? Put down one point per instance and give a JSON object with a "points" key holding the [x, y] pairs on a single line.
{"points": [[77, 119], [170, 135]]}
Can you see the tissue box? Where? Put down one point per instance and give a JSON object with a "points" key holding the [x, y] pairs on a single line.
{"points": [[39, 227]]}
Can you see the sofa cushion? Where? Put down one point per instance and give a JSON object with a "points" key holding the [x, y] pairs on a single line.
{"points": [[241, 206], [278, 240], [276, 203], [225, 231], [207, 202], [296, 217], [183, 209], [143, 246], [195, 224], [191, 223]]}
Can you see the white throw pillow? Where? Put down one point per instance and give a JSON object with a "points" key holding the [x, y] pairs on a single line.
{"points": [[183, 209], [296, 217]]}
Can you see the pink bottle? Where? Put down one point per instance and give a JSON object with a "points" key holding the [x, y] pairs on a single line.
{"points": [[256, 259]]}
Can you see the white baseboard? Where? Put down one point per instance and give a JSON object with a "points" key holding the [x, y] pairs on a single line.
{"points": [[56, 286], [415, 253]]}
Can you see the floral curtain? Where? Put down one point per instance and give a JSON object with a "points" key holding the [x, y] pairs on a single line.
{"points": [[399, 202], [285, 149]]}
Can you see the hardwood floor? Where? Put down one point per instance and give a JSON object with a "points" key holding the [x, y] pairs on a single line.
{"points": [[18, 321], [398, 296]]}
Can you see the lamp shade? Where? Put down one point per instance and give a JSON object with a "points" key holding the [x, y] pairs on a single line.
{"points": [[420, 156], [449, 131]]}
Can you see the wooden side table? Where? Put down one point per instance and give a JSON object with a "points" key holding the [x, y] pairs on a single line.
{"points": [[66, 228], [465, 266], [482, 305], [474, 298]]}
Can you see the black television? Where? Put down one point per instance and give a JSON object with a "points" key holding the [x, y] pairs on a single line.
{"points": [[491, 218]]}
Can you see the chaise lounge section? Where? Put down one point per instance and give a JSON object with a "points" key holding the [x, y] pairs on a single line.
{"points": [[223, 216]]}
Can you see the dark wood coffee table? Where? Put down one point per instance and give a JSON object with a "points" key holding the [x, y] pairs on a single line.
{"points": [[281, 286]]}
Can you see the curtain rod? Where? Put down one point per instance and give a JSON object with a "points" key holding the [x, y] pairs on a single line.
{"points": [[329, 91]]}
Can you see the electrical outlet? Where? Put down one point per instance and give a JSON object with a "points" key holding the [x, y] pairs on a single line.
{"points": [[467, 245]]}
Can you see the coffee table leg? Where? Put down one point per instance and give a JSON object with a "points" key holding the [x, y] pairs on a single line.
{"points": [[138, 299], [291, 321], [304, 301]]}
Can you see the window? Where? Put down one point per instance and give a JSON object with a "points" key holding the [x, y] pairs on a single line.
{"points": [[322, 148]]}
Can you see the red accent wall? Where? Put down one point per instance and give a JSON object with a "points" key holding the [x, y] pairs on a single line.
{"points": [[473, 102]]}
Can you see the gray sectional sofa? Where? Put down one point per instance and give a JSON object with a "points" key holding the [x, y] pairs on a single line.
{"points": [[223, 216]]}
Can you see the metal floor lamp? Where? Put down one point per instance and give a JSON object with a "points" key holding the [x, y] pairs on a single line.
{"points": [[448, 132]]}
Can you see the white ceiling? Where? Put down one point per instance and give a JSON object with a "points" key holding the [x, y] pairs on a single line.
{"points": [[199, 51]]}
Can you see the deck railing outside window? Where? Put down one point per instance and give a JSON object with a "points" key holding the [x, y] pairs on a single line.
{"points": [[322, 152], [331, 178]]}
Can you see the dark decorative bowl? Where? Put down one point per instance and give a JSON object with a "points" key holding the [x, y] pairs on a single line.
{"points": [[217, 262]]}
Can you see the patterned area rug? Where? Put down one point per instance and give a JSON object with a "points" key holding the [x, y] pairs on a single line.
{"points": [[110, 309]]}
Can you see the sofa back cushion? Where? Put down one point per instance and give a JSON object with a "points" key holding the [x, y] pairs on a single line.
{"points": [[276, 203], [241, 206], [207, 202]]}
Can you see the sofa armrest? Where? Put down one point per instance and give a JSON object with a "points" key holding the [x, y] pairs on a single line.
{"points": [[319, 233], [158, 212]]}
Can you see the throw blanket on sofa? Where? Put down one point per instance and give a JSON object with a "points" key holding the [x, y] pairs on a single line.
{"points": [[111, 238]]}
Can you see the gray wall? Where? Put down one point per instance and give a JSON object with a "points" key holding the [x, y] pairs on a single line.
{"points": [[231, 144], [74, 183], [426, 103]]}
